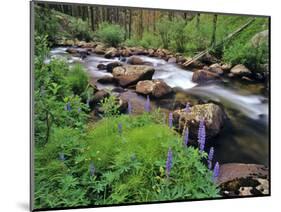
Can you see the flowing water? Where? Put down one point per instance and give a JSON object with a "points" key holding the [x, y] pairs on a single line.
{"points": [[244, 137]]}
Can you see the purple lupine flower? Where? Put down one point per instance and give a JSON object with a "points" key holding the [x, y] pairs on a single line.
{"points": [[216, 171], [201, 135], [147, 104], [67, 106], [187, 108], [170, 119], [92, 169], [211, 154], [129, 107], [61, 156], [185, 137], [210, 157], [119, 128], [209, 164], [169, 162]]}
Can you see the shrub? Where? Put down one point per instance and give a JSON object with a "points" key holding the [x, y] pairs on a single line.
{"points": [[109, 106], [80, 29], [178, 34], [164, 31], [77, 79], [111, 34], [149, 40]]}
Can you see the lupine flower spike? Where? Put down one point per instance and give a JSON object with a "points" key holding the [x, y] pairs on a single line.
{"points": [[92, 169], [210, 157], [201, 135], [170, 119], [216, 171], [187, 108], [147, 104], [129, 107], [120, 128], [169, 162], [185, 137]]}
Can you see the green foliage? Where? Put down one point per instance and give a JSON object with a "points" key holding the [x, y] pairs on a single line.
{"points": [[178, 34], [110, 34], [164, 31], [109, 106], [129, 166], [149, 40], [80, 29], [77, 79], [46, 24], [55, 86]]}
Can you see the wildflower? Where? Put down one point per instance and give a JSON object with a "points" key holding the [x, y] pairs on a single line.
{"points": [[120, 128], [185, 137], [169, 162], [79, 109], [67, 106], [92, 169], [187, 108], [170, 119], [147, 104], [210, 157], [216, 171], [61, 156], [201, 135], [129, 107], [211, 154]]}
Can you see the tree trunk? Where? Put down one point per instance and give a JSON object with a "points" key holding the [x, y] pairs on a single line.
{"points": [[130, 23], [213, 39], [198, 22], [92, 18]]}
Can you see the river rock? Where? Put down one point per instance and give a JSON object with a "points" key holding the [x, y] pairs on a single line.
{"points": [[100, 95], [240, 71], [154, 88], [131, 74], [133, 60], [71, 50], [101, 66], [107, 80], [196, 64], [208, 59], [112, 65], [216, 68], [99, 49], [226, 67], [125, 52], [213, 115], [238, 179], [172, 60], [204, 76], [151, 52], [111, 52]]}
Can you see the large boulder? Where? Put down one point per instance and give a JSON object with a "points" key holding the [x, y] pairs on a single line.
{"points": [[131, 74], [238, 179], [99, 49], [112, 65], [134, 60], [212, 114], [240, 71], [107, 80], [204, 76], [111, 52], [154, 88]]}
